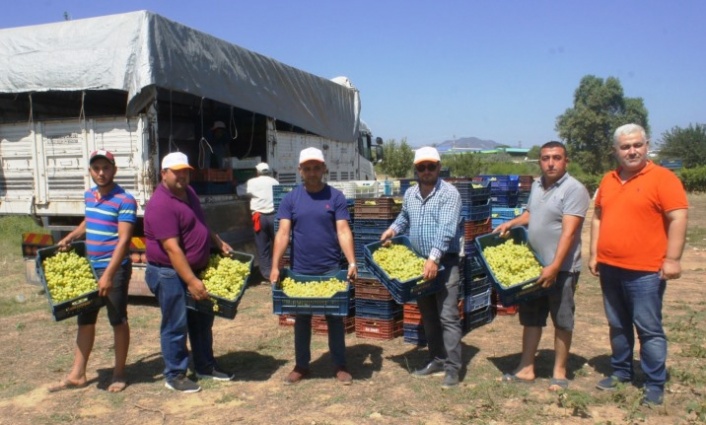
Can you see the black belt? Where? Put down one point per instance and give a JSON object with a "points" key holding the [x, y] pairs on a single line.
{"points": [[169, 266], [262, 213]]}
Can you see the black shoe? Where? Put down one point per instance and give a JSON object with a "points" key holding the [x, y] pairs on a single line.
{"points": [[610, 383], [433, 368], [183, 384], [216, 374], [450, 380]]}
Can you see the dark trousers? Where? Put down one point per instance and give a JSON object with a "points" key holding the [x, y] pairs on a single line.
{"points": [[263, 240]]}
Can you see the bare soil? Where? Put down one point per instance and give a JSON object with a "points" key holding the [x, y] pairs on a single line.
{"points": [[37, 352]]}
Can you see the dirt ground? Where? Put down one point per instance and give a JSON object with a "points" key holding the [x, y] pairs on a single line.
{"points": [[36, 352]]}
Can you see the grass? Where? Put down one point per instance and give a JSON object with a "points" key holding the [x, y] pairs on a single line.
{"points": [[261, 353], [696, 237]]}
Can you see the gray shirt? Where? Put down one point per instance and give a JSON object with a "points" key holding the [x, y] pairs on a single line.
{"points": [[547, 208]]}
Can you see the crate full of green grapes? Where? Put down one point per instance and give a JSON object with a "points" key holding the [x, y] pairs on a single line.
{"points": [[513, 266], [69, 280], [225, 278], [399, 267], [305, 294]]}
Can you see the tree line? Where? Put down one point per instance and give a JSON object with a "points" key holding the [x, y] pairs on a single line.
{"points": [[586, 128]]}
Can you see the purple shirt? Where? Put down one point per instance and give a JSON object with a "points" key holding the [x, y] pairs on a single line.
{"points": [[315, 246], [167, 216]]}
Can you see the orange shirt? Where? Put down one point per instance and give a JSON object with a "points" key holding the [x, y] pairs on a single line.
{"points": [[633, 229]]}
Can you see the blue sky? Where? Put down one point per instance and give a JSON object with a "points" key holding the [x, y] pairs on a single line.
{"points": [[434, 71]]}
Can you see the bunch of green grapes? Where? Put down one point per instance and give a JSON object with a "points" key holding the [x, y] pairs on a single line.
{"points": [[511, 263], [68, 276], [399, 262], [224, 276], [314, 289]]}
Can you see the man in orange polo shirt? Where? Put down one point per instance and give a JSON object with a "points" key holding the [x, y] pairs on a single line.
{"points": [[637, 238]]}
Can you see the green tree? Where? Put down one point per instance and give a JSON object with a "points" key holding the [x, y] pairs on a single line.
{"points": [[397, 159], [687, 144], [534, 152], [466, 164], [587, 128]]}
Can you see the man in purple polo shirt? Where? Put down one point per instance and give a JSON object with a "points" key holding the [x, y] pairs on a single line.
{"points": [[178, 246], [317, 216]]}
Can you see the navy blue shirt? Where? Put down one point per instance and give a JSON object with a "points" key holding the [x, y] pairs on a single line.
{"points": [[315, 246]]}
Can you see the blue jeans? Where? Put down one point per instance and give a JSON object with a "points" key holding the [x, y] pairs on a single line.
{"points": [[178, 322], [442, 324], [634, 298], [336, 337]]}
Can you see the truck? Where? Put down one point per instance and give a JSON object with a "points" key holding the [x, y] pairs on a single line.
{"points": [[141, 86]]}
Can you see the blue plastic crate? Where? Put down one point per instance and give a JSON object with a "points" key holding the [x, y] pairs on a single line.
{"points": [[476, 212], [505, 212], [376, 309], [338, 305], [401, 291], [476, 285], [414, 334], [473, 266], [504, 199], [478, 318], [473, 193], [473, 302], [519, 292]]}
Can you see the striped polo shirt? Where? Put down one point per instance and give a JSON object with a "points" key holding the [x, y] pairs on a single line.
{"points": [[102, 218]]}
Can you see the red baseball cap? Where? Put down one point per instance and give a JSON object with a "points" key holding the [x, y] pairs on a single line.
{"points": [[101, 153]]}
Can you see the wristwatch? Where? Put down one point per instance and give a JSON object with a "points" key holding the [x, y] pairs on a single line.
{"points": [[434, 259], [351, 265]]}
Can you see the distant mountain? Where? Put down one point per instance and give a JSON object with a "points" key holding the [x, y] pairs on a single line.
{"points": [[467, 143]]}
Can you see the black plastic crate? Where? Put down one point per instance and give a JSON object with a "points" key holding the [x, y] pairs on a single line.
{"points": [[81, 304], [219, 306], [337, 305]]}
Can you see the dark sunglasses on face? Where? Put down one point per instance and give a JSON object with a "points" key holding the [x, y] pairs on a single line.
{"points": [[423, 167]]}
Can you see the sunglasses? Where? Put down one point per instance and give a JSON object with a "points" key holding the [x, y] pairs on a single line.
{"points": [[424, 167]]}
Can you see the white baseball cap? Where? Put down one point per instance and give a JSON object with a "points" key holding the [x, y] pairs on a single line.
{"points": [[311, 154], [218, 124], [176, 161], [262, 167], [426, 153]]}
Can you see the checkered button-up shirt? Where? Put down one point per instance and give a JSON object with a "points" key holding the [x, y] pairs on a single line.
{"points": [[433, 223]]}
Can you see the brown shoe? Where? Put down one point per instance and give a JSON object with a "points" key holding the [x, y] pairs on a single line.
{"points": [[343, 376], [296, 375]]}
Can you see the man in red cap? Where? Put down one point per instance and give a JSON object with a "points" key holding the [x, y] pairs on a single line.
{"points": [[110, 218]]}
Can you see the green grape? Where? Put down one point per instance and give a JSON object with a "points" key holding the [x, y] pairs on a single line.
{"points": [[313, 289], [399, 262], [511, 263], [225, 276], [68, 276]]}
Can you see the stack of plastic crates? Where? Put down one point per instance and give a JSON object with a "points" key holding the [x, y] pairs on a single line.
{"points": [[503, 189], [523, 189], [377, 315], [500, 215], [475, 198], [373, 217], [412, 323]]}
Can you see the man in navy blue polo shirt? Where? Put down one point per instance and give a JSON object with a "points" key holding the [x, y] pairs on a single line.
{"points": [[317, 216]]}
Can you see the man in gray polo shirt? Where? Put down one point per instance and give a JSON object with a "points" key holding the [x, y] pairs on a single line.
{"points": [[555, 212]]}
